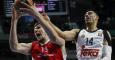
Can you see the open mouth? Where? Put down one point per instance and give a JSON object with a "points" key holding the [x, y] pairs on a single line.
{"points": [[38, 35]]}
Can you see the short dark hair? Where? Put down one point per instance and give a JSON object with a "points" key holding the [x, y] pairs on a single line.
{"points": [[37, 24], [93, 11]]}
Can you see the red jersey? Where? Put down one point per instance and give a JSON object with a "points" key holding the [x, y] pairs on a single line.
{"points": [[48, 51]]}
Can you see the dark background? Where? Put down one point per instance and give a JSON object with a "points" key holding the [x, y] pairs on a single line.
{"points": [[74, 19]]}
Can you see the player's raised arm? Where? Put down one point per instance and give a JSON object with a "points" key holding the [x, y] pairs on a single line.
{"points": [[48, 29], [13, 40], [67, 35]]}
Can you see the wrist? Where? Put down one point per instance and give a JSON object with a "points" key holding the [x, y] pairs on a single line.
{"points": [[14, 22]]}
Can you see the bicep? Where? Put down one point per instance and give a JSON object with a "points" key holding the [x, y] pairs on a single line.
{"points": [[70, 35], [24, 48]]}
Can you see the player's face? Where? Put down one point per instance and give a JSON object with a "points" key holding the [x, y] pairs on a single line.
{"points": [[91, 17], [38, 31]]}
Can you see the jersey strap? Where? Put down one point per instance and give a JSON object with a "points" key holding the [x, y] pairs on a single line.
{"points": [[76, 37]]}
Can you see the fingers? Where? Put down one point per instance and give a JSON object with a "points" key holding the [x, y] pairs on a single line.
{"points": [[13, 9], [17, 1], [30, 2], [15, 12], [24, 5], [44, 14], [26, 10], [20, 5]]}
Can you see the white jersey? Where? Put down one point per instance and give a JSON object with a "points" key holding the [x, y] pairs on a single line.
{"points": [[89, 45]]}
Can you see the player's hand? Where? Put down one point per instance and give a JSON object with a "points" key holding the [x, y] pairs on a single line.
{"points": [[32, 10], [16, 1], [30, 2], [28, 8], [16, 14]]}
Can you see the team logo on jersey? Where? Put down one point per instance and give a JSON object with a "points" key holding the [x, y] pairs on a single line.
{"points": [[85, 52], [99, 34], [82, 36]]}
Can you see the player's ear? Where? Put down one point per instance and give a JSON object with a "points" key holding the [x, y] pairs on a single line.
{"points": [[97, 17]]}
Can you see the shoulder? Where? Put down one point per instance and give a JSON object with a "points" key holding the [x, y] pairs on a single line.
{"points": [[107, 34], [34, 43], [107, 37], [75, 30], [53, 44]]}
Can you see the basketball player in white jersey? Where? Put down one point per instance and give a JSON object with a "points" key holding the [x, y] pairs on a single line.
{"points": [[92, 43]]}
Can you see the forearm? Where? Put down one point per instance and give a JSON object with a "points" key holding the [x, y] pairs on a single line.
{"points": [[59, 31], [13, 41], [67, 35], [107, 50], [45, 25], [49, 30]]}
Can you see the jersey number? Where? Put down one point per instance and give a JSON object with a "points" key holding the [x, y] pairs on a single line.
{"points": [[89, 41]]}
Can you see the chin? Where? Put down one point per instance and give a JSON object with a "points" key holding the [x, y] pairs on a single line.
{"points": [[89, 22]]}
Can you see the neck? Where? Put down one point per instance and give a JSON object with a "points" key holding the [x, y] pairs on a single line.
{"points": [[91, 27], [44, 40]]}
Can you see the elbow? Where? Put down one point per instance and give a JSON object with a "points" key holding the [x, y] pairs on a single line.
{"points": [[13, 49]]}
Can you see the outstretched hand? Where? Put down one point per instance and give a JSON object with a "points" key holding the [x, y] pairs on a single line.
{"points": [[28, 8], [32, 10], [16, 14]]}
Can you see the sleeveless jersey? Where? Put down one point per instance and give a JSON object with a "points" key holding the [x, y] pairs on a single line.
{"points": [[89, 45], [48, 51]]}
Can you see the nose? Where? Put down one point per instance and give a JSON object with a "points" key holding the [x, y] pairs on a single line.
{"points": [[35, 30], [86, 15]]}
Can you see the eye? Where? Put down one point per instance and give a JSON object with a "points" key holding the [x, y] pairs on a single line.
{"points": [[89, 13], [37, 27]]}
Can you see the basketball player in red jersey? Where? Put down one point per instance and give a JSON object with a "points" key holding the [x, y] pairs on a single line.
{"points": [[92, 43], [47, 47]]}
